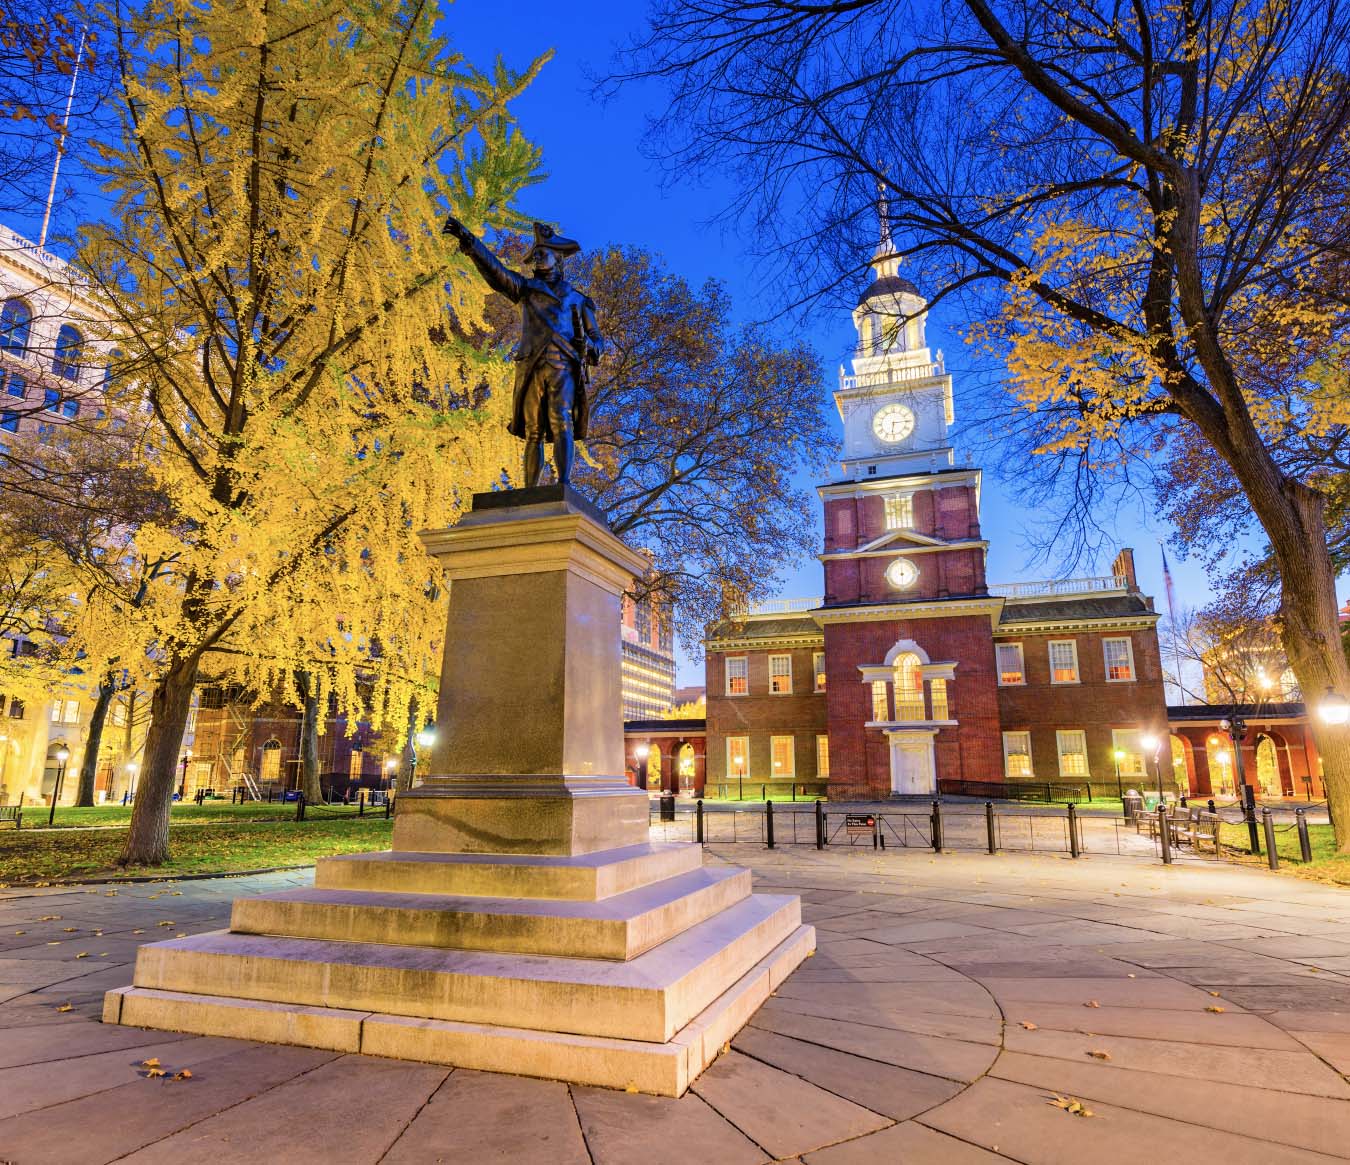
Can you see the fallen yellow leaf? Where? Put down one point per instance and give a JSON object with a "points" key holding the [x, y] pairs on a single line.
{"points": [[1026, 1023], [153, 1062], [82, 955], [185, 1074], [1092, 1003], [66, 1007], [1214, 1009], [1097, 1055]]}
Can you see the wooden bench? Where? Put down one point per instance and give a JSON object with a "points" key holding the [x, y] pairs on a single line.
{"points": [[12, 813], [1203, 830]]}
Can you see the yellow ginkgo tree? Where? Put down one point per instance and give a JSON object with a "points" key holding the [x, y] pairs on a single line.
{"points": [[286, 314]]}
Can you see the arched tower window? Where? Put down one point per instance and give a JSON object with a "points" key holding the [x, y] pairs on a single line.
{"points": [[908, 687], [69, 352], [16, 321]]}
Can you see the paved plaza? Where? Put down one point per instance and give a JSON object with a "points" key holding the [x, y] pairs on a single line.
{"points": [[960, 1009]]}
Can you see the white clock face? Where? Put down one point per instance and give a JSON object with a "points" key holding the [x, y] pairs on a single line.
{"points": [[893, 423], [902, 574]]}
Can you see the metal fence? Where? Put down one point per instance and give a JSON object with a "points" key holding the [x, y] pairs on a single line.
{"points": [[989, 828]]}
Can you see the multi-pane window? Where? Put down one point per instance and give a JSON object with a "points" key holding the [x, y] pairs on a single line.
{"points": [[16, 709], [1011, 669], [68, 353], [1072, 746], [1129, 751], [822, 758], [51, 400], [354, 763], [9, 421], [1063, 661], [900, 512], [781, 757], [738, 675], [937, 693], [818, 669], [16, 319], [780, 675], [738, 756], [1017, 755], [65, 711], [15, 385], [881, 704], [908, 688], [1119, 659]]}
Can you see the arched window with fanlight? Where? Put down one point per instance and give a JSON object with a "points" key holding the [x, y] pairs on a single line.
{"points": [[16, 321], [909, 687], [68, 353]]}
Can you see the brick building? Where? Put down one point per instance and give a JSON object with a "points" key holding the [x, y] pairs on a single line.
{"points": [[912, 669]]}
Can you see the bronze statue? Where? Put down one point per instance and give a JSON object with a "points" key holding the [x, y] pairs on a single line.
{"points": [[558, 341]]}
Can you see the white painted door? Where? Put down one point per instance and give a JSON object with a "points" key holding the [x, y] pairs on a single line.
{"points": [[912, 765]]}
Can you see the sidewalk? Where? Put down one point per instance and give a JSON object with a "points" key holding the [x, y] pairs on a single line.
{"points": [[1197, 1012]]}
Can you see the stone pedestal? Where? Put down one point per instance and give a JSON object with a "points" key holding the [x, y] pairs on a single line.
{"points": [[522, 921]]}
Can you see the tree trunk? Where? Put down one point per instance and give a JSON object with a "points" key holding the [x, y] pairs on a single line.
{"points": [[84, 796], [148, 841], [309, 737]]}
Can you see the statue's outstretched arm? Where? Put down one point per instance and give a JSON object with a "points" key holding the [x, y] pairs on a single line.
{"points": [[495, 273]]}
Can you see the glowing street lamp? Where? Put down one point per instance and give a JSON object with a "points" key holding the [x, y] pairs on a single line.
{"points": [[425, 739], [1334, 708], [641, 753], [1118, 756], [1152, 744]]}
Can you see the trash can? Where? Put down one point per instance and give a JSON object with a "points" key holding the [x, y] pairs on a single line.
{"points": [[1134, 805], [667, 807]]}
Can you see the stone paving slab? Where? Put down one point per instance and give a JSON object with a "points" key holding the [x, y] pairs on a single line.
{"points": [[903, 1040]]}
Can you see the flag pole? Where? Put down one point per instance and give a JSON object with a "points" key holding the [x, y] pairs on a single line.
{"points": [[61, 143]]}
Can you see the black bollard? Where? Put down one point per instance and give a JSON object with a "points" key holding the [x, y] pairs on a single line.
{"points": [[361, 803], [1073, 830], [698, 821], [937, 827], [989, 826], [820, 824], [1304, 841], [1165, 835], [768, 822], [1268, 826], [300, 807]]}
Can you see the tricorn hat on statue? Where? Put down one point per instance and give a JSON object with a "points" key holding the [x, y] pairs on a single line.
{"points": [[546, 236]]}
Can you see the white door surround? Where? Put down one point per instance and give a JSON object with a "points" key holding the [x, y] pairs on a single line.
{"points": [[913, 771]]}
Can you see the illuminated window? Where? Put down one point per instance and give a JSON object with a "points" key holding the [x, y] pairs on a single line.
{"points": [[908, 688], [119, 714], [900, 512], [780, 675], [1063, 661], [937, 692], [1129, 751], [738, 756], [781, 756], [1011, 670], [738, 675], [1072, 746], [354, 763], [1119, 660], [822, 758], [881, 704], [818, 668], [1017, 755]]}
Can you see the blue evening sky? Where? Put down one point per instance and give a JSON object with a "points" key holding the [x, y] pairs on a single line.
{"points": [[600, 188]]}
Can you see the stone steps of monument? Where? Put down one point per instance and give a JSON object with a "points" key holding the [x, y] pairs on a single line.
{"points": [[649, 998], [662, 1068], [581, 877], [619, 927]]}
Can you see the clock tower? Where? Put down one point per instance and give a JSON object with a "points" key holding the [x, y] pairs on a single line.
{"points": [[907, 617]]}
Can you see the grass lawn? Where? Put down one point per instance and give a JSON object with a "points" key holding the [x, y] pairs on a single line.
{"points": [[1327, 865], [36, 857], [182, 813]]}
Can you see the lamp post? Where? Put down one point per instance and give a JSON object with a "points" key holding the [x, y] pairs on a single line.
{"points": [[62, 755], [1152, 744], [425, 739], [641, 753], [132, 767], [1236, 728], [182, 785], [390, 780], [1118, 756]]}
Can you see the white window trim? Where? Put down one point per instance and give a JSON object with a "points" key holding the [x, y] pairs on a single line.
{"points": [[1129, 654], [731, 770], [787, 657], [726, 676], [1059, 752], [817, 671], [791, 773], [1077, 666], [1031, 761], [823, 738], [1022, 666]]}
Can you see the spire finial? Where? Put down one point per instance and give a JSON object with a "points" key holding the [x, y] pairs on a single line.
{"points": [[883, 217]]}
